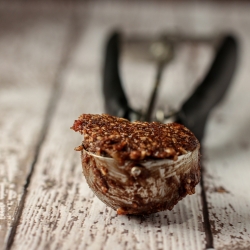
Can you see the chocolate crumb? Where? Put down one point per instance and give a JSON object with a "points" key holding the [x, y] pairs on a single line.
{"points": [[139, 179], [118, 138]]}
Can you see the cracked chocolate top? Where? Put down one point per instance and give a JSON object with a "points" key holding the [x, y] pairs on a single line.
{"points": [[121, 139]]}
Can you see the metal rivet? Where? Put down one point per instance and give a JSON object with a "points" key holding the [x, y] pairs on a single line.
{"points": [[136, 171]]}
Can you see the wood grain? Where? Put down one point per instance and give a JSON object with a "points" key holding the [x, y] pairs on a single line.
{"points": [[29, 49], [61, 212], [227, 156], [226, 146]]}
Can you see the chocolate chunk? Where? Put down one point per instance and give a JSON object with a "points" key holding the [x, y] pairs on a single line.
{"points": [[118, 138]]}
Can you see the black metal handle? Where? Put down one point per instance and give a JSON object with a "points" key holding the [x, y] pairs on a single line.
{"points": [[210, 92], [116, 102]]}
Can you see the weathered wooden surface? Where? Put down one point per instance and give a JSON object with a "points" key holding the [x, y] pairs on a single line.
{"points": [[227, 154], [29, 49], [60, 204], [226, 149], [60, 212]]}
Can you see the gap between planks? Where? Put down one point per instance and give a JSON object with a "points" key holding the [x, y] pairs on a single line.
{"points": [[205, 211]]}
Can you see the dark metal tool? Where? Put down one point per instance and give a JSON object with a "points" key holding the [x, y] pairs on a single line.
{"points": [[162, 52], [195, 110]]}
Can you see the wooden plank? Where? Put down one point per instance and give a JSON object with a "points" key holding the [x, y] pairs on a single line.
{"points": [[60, 211], [30, 47], [227, 152], [226, 147]]}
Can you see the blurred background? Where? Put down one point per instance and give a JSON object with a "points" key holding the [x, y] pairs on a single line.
{"points": [[43, 43]]}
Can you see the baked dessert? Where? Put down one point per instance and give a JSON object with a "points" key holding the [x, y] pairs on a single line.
{"points": [[138, 167]]}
